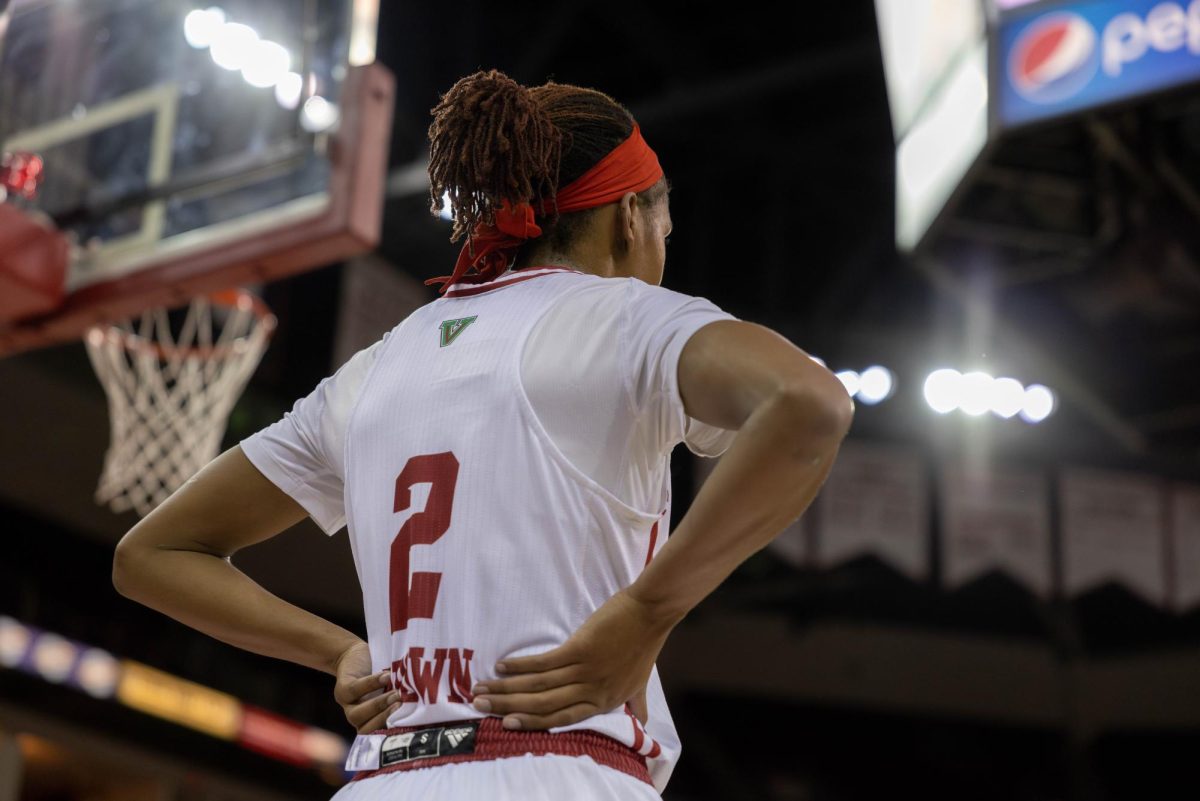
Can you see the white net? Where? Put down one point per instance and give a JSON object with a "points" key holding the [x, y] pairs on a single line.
{"points": [[170, 392]]}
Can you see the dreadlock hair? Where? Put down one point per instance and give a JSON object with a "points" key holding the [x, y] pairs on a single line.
{"points": [[493, 139]]}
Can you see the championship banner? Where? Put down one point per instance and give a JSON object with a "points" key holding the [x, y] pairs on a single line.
{"points": [[1113, 530], [995, 520], [876, 502], [1185, 546]]}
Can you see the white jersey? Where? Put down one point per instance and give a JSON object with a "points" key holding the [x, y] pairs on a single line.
{"points": [[500, 481]]}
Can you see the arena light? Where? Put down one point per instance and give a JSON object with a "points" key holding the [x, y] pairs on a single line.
{"points": [[446, 213], [1038, 403], [1007, 397], [977, 393], [318, 115], [875, 385], [15, 640], [200, 27], [233, 45], [53, 657], [850, 380], [266, 64], [942, 390], [98, 673], [288, 90]]}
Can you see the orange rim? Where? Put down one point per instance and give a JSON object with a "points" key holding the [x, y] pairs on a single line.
{"points": [[227, 298]]}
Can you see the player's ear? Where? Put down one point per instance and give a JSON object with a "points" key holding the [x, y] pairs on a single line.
{"points": [[628, 221]]}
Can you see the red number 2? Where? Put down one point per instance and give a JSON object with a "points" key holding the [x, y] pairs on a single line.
{"points": [[426, 527]]}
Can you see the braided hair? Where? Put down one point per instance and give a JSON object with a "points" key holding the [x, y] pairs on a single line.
{"points": [[493, 140]]}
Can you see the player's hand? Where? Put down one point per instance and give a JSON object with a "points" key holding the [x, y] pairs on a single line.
{"points": [[605, 664], [362, 694]]}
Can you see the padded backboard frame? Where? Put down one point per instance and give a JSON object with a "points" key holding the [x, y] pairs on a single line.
{"points": [[311, 232]]}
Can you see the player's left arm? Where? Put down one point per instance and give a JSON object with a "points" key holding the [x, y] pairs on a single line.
{"points": [[178, 561]]}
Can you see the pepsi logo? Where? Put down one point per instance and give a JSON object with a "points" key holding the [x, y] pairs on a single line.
{"points": [[1054, 58]]}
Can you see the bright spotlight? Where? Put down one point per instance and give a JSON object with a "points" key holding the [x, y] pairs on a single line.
{"points": [[266, 64], [875, 384], [318, 114], [53, 657], [446, 213], [1038, 403], [850, 380], [943, 389], [233, 45], [200, 27], [288, 89], [976, 396], [14, 642], [1007, 397]]}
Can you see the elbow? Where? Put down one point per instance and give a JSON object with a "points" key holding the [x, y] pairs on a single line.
{"points": [[125, 569], [820, 407]]}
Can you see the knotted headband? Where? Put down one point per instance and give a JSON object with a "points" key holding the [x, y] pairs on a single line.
{"points": [[631, 167]]}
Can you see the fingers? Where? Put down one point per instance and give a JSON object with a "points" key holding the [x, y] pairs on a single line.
{"points": [[542, 703], [361, 715], [354, 691], [377, 722], [563, 717], [528, 683], [563, 656]]}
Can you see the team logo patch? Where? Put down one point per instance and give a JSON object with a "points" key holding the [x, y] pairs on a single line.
{"points": [[444, 741], [450, 329], [1054, 58]]}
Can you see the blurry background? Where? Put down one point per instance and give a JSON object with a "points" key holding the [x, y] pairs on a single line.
{"points": [[995, 596]]}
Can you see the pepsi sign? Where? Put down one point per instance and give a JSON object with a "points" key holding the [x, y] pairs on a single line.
{"points": [[1083, 55]]}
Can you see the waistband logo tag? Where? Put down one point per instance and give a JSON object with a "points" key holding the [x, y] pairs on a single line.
{"points": [[425, 743]]}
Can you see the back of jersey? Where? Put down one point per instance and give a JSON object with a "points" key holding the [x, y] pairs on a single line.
{"points": [[475, 538]]}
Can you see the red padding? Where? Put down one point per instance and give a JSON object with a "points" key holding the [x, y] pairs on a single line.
{"points": [[33, 266]]}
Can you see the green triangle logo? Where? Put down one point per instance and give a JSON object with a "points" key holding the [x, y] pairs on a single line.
{"points": [[452, 328]]}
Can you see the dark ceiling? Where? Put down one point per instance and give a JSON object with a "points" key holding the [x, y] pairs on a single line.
{"points": [[1069, 261]]}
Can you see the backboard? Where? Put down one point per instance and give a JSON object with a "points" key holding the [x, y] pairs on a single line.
{"points": [[188, 148]]}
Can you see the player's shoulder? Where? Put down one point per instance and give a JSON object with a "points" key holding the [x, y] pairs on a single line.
{"points": [[625, 289], [654, 305]]}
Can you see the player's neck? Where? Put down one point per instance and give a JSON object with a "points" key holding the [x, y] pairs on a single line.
{"points": [[583, 263]]}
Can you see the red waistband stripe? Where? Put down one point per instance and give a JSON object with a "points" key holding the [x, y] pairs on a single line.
{"points": [[493, 741]]}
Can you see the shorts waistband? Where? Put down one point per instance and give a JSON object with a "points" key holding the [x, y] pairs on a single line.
{"points": [[493, 741]]}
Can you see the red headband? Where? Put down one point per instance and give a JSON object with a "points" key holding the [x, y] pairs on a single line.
{"points": [[631, 167]]}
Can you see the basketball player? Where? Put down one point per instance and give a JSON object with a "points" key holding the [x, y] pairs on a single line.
{"points": [[500, 459]]}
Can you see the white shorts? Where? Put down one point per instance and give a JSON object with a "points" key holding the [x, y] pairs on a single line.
{"points": [[547, 777]]}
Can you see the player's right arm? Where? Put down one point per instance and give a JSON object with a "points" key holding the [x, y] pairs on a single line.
{"points": [[791, 415]]}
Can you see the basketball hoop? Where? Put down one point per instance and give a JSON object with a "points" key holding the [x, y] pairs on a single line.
{"points": [[170, 394]]}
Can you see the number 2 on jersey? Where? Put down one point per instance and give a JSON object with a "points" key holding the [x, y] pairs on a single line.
{"points": [[417, 600]]}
